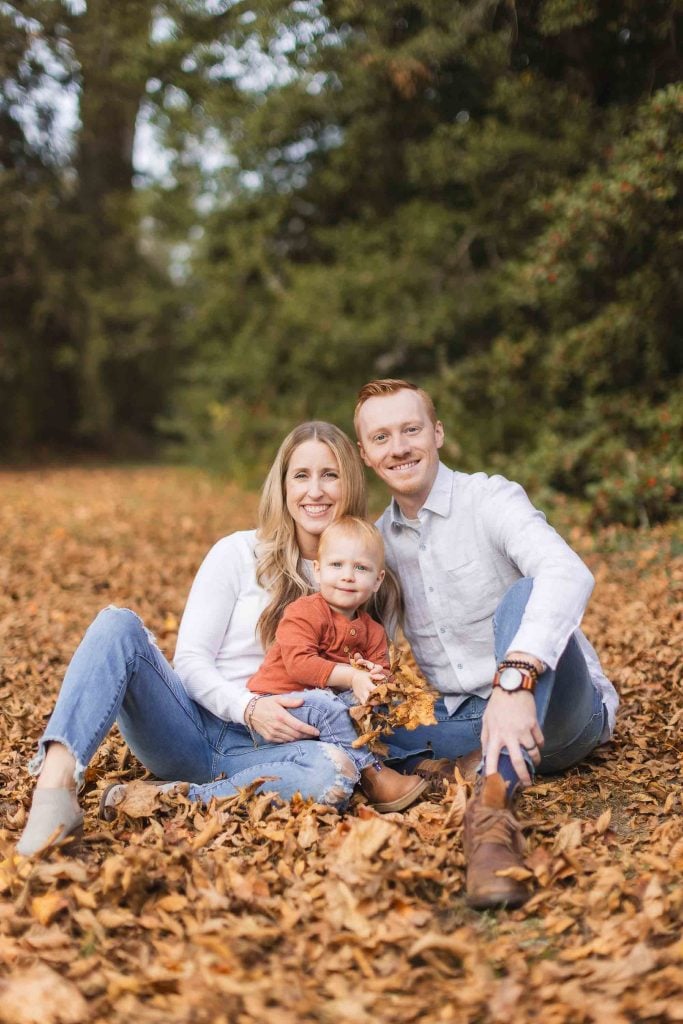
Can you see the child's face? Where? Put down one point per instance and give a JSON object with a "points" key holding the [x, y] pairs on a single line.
{"points": [[348, 573]]}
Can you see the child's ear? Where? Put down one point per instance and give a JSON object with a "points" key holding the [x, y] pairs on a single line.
{"points": [[380, 580]]}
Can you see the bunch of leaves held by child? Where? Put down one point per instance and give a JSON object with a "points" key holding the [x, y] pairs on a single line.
{"points": [[403, 699]]}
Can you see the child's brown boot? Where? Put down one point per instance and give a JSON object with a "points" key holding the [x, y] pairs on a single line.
{"points": [[388, 790]]}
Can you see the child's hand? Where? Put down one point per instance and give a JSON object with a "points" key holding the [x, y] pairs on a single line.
{"points": [[377, 672], [362, 685]]}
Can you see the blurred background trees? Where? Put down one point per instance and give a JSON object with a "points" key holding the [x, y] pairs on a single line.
{"points": [[482, 196]]}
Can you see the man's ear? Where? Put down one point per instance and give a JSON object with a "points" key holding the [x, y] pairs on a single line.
{"points": [[439, 433], [363, 456]]}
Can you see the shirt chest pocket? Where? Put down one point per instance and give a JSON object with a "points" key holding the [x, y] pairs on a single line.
{"points": [[469, 586]]}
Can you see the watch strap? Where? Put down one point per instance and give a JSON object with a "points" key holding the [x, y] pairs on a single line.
{"points": [[528, 671]]}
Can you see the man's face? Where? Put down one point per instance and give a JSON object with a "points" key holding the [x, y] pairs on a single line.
{"points": [[399, 441]]}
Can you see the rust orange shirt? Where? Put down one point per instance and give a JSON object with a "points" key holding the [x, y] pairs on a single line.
{"points": [[310, 640]]}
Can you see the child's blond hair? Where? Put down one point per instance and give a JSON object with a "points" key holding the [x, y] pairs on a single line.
{"points": [[358, 529]]}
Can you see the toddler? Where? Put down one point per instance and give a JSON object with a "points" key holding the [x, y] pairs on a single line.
{"points": [[332, 651]]}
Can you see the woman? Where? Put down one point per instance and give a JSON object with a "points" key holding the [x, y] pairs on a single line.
{"points": [[189, 723]]}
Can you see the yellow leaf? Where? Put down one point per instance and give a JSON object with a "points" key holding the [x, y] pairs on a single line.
{"points": [[172, 903], [45, 908]]}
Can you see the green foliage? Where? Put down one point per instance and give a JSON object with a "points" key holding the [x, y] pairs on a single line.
{"points": [[480, 198], [478, 194]]}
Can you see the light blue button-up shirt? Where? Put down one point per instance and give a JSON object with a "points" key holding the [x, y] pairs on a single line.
{"points": [[474, 537]]}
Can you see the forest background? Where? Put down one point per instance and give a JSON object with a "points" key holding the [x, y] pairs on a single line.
{"points": [[483, 196]]}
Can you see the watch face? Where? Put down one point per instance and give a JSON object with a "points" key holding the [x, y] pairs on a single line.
{"points": [[510, 679]]}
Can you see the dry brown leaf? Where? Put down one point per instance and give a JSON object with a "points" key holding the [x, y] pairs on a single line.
{"points": [[45, 908], [38, 995], [287, 913]]}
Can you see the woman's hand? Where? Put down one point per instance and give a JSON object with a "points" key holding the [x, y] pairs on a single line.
{"points": [[510, 721], [271, 719], [362, 684]]}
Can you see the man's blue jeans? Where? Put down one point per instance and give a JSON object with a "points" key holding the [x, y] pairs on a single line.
{"points": [[568, 705], [118, 674]]}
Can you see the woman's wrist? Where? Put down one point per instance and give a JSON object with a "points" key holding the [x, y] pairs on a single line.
{"points": [[249, 710]]}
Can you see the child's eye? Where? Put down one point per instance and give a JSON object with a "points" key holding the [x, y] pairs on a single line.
{"points": [[362, 568]]}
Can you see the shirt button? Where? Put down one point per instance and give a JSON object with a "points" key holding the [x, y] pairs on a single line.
{"points": [[346, 649], [423, 547], [431, 590], [459, 665], [352, 632], [442, 629]]}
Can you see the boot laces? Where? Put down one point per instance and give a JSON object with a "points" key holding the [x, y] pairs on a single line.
{"points": [[493, 825]]}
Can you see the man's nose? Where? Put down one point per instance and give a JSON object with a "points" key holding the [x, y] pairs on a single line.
{"points": [[399, 445]]}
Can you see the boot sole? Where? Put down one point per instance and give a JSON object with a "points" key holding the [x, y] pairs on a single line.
{"points": [[492, 900], [404, 801]]}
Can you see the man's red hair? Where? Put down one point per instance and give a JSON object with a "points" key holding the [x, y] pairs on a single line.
{"points": [[390, 386]]}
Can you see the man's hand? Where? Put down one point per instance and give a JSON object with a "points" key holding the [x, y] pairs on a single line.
{"points": [[510, 721], [271, 719]]}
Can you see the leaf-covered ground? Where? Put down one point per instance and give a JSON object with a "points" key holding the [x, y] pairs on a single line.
{"points": [[249, 912]]}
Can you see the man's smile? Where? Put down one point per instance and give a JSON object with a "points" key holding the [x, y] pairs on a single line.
{"points": [[403, 466]]}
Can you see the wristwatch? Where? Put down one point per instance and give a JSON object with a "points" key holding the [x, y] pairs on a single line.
{"points": [[512, 675]]}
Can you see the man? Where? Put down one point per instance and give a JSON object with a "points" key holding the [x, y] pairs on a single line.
{"points": [[494, 598]]}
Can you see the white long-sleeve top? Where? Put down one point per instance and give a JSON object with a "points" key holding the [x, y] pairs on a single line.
{"points": [[218, 650], [474, 537]]}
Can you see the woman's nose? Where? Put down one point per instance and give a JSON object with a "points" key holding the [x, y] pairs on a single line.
{"points": [[314, 487]]}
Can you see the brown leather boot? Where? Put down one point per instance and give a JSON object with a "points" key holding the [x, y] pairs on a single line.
{"points": [[388, 790], [493, 842], [442, 769]]}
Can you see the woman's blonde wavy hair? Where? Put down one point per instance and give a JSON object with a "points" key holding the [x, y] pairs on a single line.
{"points": [[278, 559]]}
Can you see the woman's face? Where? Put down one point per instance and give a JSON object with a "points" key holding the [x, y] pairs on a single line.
{"points": [[312, 493]]}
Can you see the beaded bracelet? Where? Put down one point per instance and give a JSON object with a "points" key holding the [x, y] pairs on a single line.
{"points": [[249, 712]]}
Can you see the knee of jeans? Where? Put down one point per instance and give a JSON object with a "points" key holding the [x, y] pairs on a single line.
{"points": [[317, 698], [114, 623], [344, 776], [520, 591]]}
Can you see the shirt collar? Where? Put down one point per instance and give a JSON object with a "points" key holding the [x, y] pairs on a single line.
{"points": [[438, 500]]}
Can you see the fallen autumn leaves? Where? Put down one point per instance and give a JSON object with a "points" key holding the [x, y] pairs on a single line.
{"points": [[248, 912]]}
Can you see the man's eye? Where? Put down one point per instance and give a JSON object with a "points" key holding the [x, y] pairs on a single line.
{"points": [[412, 430], [378, 438]]}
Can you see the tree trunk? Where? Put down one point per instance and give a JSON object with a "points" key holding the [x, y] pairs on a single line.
{"points": [[110, 44]]}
